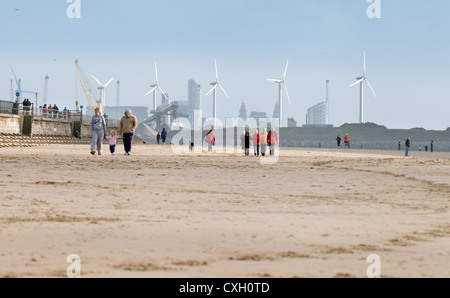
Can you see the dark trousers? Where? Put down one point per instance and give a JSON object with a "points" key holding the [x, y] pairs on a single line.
{"points": [[127, 141], [112, 148]]}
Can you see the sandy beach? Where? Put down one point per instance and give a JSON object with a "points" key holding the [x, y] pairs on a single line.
{"points": [[315, 213]]}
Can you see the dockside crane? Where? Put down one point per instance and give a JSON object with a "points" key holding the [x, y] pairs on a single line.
{"points": [[86, 90]]}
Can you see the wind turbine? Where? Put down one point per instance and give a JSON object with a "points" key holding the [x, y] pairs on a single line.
{"points": [[282, 82], [360, 81], [154, 87], [102, 88], [214, 89]]}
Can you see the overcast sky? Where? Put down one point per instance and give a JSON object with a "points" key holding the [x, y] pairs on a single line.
{"points": [[407, 50]]}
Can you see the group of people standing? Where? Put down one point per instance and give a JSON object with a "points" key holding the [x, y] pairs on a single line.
{"points": [[260, 142], [27, 106], [408, 146], [346, 141], [53, 112], [162, 136], [127, 128]]}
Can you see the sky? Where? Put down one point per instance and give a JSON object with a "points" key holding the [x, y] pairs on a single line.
{"points": [[407, 52]]}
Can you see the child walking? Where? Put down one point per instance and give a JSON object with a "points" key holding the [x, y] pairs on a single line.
{"points": [[112, 138]]}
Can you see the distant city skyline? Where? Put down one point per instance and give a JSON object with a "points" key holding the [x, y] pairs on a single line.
{"points": [[251, 39]]}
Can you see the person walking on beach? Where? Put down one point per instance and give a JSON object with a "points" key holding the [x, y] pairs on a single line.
{"points": [[210, 139], [158, 138], [98, 129], [274, 141], [407, 146], [127, 127], [347, 141], [247, 144], [243, 141], [164, 136], [338, 140], [399, 145], [112, 138], [432, 146], [256, 142], [263, 142]]}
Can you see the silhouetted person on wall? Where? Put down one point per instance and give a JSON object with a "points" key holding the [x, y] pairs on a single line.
{"points": [[15, 108]]}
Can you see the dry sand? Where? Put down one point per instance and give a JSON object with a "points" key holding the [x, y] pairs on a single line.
{"points": [[316, 213]]}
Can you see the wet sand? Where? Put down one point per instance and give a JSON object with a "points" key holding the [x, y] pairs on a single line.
{"points": [[314, 213]]}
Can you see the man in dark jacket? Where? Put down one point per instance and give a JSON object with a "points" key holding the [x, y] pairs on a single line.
{"points": [[408, 146], [164, 136]]}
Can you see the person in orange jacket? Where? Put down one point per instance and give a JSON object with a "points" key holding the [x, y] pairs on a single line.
{"points": [[347, 141]]}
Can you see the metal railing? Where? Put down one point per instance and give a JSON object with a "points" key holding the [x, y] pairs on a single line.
{"points": [[57, 114], [13, 108]]}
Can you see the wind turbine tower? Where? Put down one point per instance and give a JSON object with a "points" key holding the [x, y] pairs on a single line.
{"points": [[360, 81], [214, 90], [328, 103], [153, 90], [281, 83], [118, 94], [45, 90]]}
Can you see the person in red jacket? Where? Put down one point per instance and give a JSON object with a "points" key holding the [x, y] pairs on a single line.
{"points": [[256, 142], [210, 139], [273, 140]]}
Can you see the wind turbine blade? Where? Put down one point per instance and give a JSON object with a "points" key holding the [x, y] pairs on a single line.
{"points": [[156, 71], [223, 90], [151, 91], [17, 82], [163, 93], [274, 80], [215, 86], [285, 71], [97, 81], [109, 82], [287, 93], [367, 81], [356, 83]]}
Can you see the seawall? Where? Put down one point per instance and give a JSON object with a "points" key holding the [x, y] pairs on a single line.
{"points": [[13, 124]]}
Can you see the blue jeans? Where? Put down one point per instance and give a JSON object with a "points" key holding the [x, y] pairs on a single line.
{"points": [[256, 149], [112, 148], [407, 151]]}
